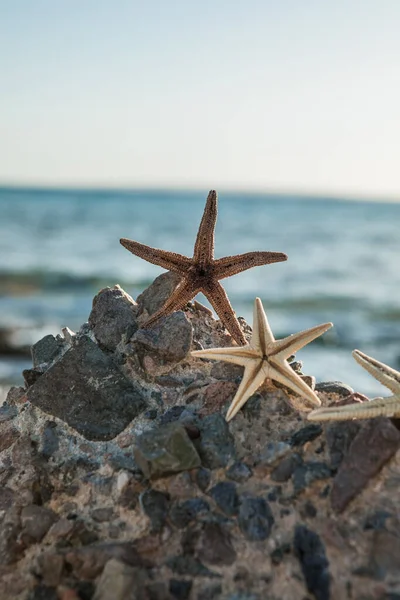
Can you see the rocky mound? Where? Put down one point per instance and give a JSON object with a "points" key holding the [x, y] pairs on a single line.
{"points": [[120, 478]]}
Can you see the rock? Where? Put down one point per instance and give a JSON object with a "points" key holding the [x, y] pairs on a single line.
{"points": [[286, 467], [314, 564], [87, 391], [10, 546], [157, 293], [167, 342], [239, 472], [155, 505], [339, 437], [216, 445], [8, 435], [334, 387], [32, 375], [373, 446], [182, 513], [215, 395], [7, 498], [120, 581], [102, 515], [180, 588], [164, 450], [384, 559], [255, 518], [51, 569], [305, 474], [306, 434], [272, 452], [203, 478], [36, 521], [44, 592], [50, 440], [211, 591], [226, 371], [172, 414], [225, 496], [113, 317], [7, 412], [16, 395], [47, 350], [215, 545], [188, 565]]}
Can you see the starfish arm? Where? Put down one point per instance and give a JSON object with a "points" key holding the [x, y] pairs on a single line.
{"points": [[182, 294], [284, 374], [384, 374], [204, 246], [239, 355], [262, 335], [253, 377], [217, 297], [388, 407], [168, 260], [289, 345], [231, 265]]}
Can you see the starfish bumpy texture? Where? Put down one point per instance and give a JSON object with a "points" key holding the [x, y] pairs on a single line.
{"points": [[266, 358], [202, 272], [388, 407]]}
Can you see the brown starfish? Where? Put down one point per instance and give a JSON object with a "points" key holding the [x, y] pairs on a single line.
{"points": [[202, 272]]}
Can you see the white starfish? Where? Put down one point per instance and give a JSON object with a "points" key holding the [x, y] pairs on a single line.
{"points": [[266, 358], [388, 407]]}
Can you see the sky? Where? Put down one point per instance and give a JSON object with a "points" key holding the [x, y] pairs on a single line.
{"points": [[284, 95]]}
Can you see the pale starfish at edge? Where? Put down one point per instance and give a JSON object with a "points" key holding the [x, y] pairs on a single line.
{"points": [[266, 358], [388, 407]]}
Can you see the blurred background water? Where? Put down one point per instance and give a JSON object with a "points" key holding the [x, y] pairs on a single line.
{"points": [[58, 248]]}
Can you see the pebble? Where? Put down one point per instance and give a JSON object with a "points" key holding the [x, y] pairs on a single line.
{"points": [[334, 387], [167, 341], [120, 581], [155, 505], [239, 472], [225, 496], [203, 478], [215, 545], [164, 450], [188, 565], [155, 296], [7, 412], [305, 474], [113, 317], [36, 521], [255, 518], [182, 513], [306, 434], [46, 350], [286, 467], [339, 437], [10, 527], [311, 554], [376, 442], [216, 445], [180, 588], [86, 390], [272, 452]]}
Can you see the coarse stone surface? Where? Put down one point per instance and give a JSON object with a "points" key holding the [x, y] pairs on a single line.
{"points": [[120, 477]]}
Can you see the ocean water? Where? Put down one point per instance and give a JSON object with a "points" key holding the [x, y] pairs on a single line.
{"points": [[58, 248]]}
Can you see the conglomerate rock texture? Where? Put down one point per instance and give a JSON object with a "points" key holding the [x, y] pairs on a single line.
{"points": [[120, 478]]}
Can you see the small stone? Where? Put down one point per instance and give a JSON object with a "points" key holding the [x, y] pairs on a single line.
{"points": [[7, 498], [51, 569], [155, 505], [44, 592], [286, 467], [306, 434], [46, 350], [182, 513], [164, 450], [32, 375], [168, 341], [272, 452], [314, 564], [216, 445], [334, 387], [8, 435], [113, 317], [102, 515], [88, 561], [339, 437], [279, 553], [86, 390], [120, 581], [215, 545], [10, 547], [255, 518], [226, 371], [188, 565], [308, 510], [50, 440], [180, 588], [377, 520], [157, 293], [305, 474], [226, 498], [16, 395], [384, 559], [7, 412], [215, 395], [172, 414], [203, 478], [239, 472], [376, 442], [36, 521], [210, 592]]}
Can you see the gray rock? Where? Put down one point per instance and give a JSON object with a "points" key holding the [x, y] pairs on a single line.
{"points": [[10, 548], [216, 445], [286, 467], [50, 440], [180, 588], [314, 564], [46, 350], [272, 452], [157, 293], [239, 472], [182, 513], [15, 395], [167, 449], [36, 521], [168, 341], [121, 582], [255, 518], [306, 434], [215, 545], [7, 498], [7, 413], [304, 475], [113, 316], [339, 437], [225, 496], [86, 390], [155, 505], [334, 387]]}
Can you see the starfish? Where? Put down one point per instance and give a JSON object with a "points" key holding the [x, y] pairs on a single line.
{"points": [[266, 358], [202, 272], [388, 407]]}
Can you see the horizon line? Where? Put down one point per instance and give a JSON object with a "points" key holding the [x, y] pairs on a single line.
{"points": [[311, 194]]}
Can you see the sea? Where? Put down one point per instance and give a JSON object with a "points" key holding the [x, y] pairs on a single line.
{"points": [[58, 248]]}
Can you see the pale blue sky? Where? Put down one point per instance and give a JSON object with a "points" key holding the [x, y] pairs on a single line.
{"points": [[288, 95]]}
